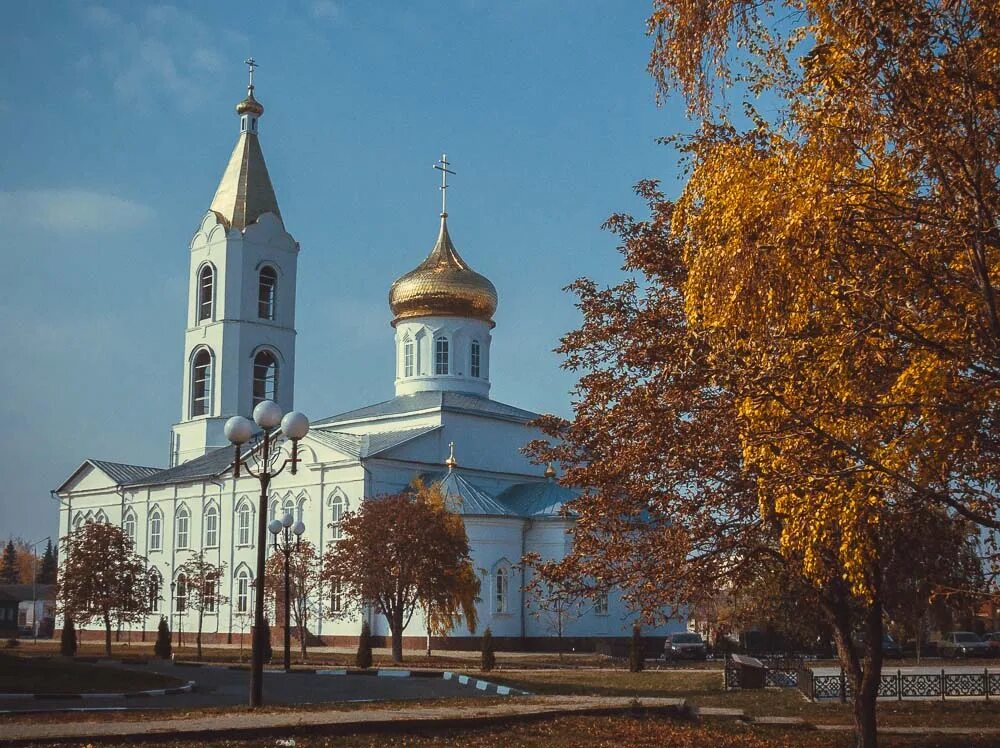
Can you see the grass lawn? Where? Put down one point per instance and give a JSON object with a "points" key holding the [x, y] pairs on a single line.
{"points": [[591, 732], [37, 675], [326, 657], [134, 715], [702, 688]]}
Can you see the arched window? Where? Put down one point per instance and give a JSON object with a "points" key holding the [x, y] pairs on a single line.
{"points": [[267, 292], [274, 509], [101, 517], [155, 530], [128, 525], [208, 596], [265, 377], [243, 591], [474, 367], [180, 594], [336, 596], [78, 522], [243, 520], [300, 508], [206, 293], [441, 356], [500, 599], [211, 527], [201, 383], [183, 528], [288, 507], [155, 587], [409, 358], [336, 515]]}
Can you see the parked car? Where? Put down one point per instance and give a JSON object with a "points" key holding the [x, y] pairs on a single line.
{"points": [[891, 648], [963, 644], [685, 646], [994, 641]]}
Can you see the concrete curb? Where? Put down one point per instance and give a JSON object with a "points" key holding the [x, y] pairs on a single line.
{"points": [[186, 688], [484, 685]]}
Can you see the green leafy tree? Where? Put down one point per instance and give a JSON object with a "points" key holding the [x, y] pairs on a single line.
{"points": [[9, 570], [49, 567]]}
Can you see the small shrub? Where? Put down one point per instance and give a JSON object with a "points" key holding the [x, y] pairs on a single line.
{"points": [[364, 657], [636, 651], [163, 647], [68, 643], [489, 658]]}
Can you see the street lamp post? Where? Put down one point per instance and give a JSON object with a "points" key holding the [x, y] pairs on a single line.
{"points": [[34, 586], [294, 426], [284, 528]]}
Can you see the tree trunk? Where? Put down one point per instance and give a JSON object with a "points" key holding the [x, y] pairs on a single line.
{"points": [[301, 621], [863, 673], [201, 614], [866, 691], [107, 635], [396, 627]]}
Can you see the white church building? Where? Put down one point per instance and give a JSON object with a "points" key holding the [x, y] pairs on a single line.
{"points": [[239, 349]]}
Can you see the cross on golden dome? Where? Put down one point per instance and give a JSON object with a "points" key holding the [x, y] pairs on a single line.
{"points": [[442, 166]]}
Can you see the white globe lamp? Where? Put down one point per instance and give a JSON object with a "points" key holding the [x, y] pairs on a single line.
{"points": [[287, 520], [267, 414], [299, 528], [295, 425], [275, 526], [238, 430]]}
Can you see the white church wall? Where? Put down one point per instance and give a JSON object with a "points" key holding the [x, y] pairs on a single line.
{"points": [[496, 545], [489, 444]]}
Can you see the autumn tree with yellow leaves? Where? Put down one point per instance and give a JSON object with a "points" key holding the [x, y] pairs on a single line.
{"points": [[404, 551], [808, 360]]}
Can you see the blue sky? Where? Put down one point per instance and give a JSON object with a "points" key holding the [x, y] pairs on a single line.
{"points": [[117, 120]]}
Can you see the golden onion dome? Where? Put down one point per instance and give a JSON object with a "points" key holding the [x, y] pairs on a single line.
{"points": [[250, 104], [443, 285]]}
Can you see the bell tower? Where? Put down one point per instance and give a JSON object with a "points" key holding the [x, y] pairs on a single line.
{"points": [[239, 345]]}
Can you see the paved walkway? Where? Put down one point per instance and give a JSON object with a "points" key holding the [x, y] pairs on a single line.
{"points": [[248, 725]]}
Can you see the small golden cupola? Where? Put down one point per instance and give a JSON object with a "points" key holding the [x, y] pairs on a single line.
{"points": [[443, 285]]}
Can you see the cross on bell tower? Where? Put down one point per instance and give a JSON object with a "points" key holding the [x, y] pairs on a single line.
{"points": [[251, 63]]}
